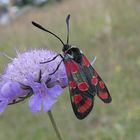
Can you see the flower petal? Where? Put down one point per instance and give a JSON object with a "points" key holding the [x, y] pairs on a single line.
{"points": [[48, 103], [51, 97], [55, 91], [11, 90], [35, 103], [3, 105]]}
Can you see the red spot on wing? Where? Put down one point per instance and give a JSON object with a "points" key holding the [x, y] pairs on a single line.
{"points": [[72, 84], [85, 61], [103, 95], [67, 65], [87, 103], [85, 106], [83, 86], [75, 68], [94, 80], [81, 109], [71, 66], [77, 98], [102, 85]]}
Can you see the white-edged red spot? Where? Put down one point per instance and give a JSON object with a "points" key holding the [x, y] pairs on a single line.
{"points": [[77, 98], [102, 85], [85, 106], [85, 61], [72, 84], [83, 86], [103, 95], [94, 80]]}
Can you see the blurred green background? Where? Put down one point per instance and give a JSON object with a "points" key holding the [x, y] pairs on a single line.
{"points": [[108, 29]]}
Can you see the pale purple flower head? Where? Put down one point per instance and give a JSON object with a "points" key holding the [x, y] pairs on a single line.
{"points": [[25, 77]]}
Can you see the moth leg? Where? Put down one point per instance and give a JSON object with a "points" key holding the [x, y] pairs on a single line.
{"points": [[57, 67], [52, 59]]}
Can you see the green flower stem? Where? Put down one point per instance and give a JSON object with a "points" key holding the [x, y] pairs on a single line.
{"points": [[54, 125]]}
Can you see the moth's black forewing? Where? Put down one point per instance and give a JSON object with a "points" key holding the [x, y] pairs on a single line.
{"points": [[82, 98], [85, 101]]}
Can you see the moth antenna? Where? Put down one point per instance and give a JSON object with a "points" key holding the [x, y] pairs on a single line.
{"points": [[42, 28], [67, 22]]}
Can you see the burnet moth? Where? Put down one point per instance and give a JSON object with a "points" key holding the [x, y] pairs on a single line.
{"points": [[84, 81]]}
